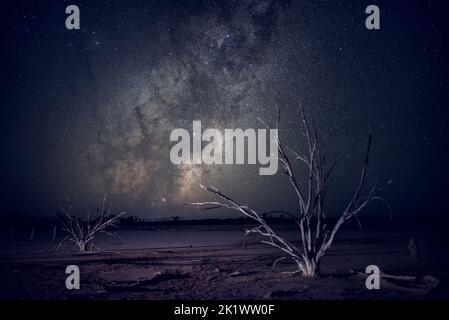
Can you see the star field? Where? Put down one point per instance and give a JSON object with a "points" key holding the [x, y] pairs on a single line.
{"points": [[88, 112]]}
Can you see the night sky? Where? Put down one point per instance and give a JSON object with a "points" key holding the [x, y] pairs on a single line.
{"points": [[88, 112]]}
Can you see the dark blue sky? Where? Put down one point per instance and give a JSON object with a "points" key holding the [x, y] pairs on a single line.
{"points": [[87, 112]]}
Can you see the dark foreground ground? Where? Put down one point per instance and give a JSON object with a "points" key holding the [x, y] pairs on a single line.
{"points": [[205, 263]]}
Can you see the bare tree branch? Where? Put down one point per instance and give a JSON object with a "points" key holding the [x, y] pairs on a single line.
{"points": [[316, 236], [82, 233]]}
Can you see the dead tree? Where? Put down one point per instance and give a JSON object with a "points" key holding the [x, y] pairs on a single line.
{"points": [[54, 234], [32, 233], [413, 247], [316, 236], [83, 232]]}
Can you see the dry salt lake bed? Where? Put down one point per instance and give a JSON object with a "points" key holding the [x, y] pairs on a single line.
{"points": [[220, 263]]}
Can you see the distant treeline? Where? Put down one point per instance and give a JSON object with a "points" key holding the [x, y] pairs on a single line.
{"points": [[12, 224], [29, 228], [19, 227]]}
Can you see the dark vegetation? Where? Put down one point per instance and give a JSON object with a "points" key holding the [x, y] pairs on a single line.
{"points": [[21, 227]]}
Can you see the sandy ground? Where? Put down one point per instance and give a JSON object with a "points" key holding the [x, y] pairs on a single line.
{"points": [[211, 264]]}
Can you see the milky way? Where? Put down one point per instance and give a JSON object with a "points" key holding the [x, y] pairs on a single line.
{"points": [[215, 68], [88, 112]]}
